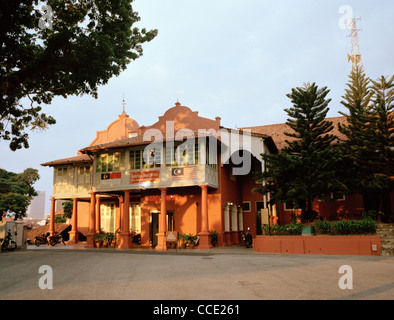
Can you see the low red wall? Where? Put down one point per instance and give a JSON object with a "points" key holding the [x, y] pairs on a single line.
{"points": [[334, 245]]}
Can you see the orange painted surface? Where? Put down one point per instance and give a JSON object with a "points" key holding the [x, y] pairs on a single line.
{"points": [[351, 207], [83, 217], [183, 117], [119, 129], [330, 245]]}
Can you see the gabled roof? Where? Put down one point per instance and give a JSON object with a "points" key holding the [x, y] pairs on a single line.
{"points": [[141, 140]]}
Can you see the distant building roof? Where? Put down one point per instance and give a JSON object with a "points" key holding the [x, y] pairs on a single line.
{"points": [[83, 158], [276, 131], [59, 228]]}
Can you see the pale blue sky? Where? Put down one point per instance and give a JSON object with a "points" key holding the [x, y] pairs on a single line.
{"points": [[233, 59]]}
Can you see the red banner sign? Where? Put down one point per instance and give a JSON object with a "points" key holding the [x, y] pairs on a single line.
{"points": [[172, 197], [144, 176]]}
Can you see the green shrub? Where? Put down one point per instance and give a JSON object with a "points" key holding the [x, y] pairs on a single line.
{"points": [[342, 227], [355, 226], [370, 214], [273, 229], [368, 226], [294, 228], [323, 226]]}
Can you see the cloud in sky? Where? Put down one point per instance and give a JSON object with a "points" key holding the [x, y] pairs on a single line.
{"points": [[233, 59]]}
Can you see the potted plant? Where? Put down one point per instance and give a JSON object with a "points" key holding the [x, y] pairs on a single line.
{"points": [[110, 237], [184, 238], [98, 239], [191, 240], [107, 238], [214, 237]]}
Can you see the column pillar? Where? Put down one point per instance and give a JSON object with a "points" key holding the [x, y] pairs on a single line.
{"points": [[161, 236], [125, 235], [120, 218], [98, 216], [74, 227], [205, 236], [92, 220], [52, 218]]}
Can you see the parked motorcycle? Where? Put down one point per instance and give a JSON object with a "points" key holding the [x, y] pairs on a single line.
{"points": [[8, 243], [41, 239], [247, 238], [55, 239]]}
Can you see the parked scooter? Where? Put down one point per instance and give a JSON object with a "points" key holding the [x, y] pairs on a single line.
{"points": [[8, 243], [42, 239], [55, 239], [247, 238]]}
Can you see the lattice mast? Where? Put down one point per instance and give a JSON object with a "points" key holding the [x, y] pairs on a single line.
{"points": [[355, 56]]}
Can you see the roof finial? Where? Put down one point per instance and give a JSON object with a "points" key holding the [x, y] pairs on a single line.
{"points": [[177, 102], [124, 105]]}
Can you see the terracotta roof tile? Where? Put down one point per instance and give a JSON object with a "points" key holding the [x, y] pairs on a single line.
{"points": [[140, 140], [84, 158], [276, 131]]}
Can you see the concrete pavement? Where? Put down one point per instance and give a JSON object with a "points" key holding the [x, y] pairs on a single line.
{"points": [[227, 273]]}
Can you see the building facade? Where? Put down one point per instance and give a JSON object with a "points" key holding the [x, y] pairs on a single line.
{"points": [[184, 173], [36, 209]]}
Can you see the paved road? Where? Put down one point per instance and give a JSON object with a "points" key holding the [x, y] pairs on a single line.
{"points": [[221, 273]]}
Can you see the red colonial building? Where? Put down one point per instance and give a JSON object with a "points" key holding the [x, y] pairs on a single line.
{"points": [[184, 173]]}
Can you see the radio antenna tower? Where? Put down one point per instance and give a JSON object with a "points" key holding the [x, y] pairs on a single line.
{"points": [[355, 57]]}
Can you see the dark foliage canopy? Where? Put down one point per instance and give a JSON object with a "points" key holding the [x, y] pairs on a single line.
{"points": [[60, 48]]}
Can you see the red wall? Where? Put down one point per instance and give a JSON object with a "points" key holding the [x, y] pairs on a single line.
{"points": [[352, 207]]}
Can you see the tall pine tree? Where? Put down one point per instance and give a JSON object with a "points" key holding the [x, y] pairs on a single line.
{"points": [[381, 143], [382, 140], [356, 130], [368, 144], [306, 168]]}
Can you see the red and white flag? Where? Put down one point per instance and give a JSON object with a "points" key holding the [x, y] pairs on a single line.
{"points": [[184, 173]]}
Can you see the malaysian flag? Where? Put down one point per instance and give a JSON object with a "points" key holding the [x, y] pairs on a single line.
{"points": [[185, 173], [111, 175]]}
